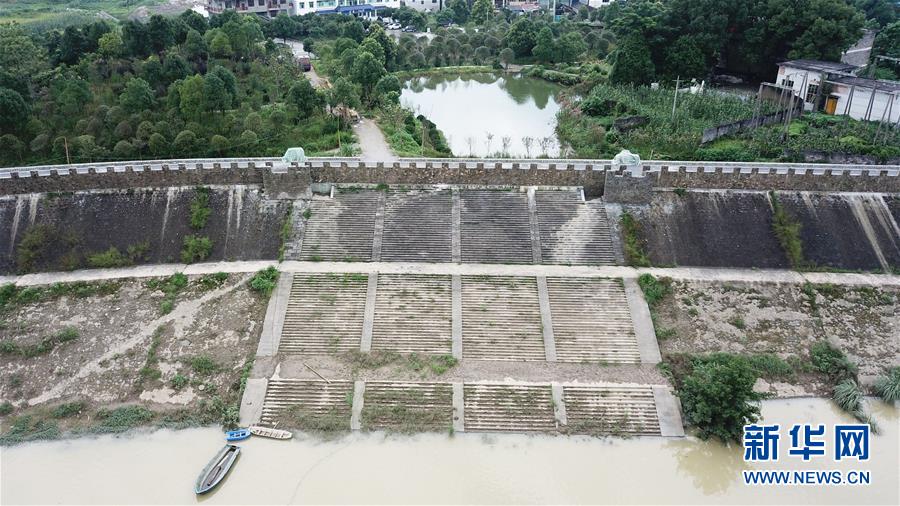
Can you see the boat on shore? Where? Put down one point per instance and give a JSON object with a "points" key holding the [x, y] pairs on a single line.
{"points": [[269, 432], [237, 435], [217, 468]]}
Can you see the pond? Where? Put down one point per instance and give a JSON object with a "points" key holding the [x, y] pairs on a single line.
{"points": [[489, 114], [160, 467]]}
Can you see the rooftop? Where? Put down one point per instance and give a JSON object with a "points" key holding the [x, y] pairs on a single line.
{"points": [[864, 82], [820, 66]]}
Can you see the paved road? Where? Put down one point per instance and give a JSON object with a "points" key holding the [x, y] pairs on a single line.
{"points": [[372, 142], [299, 51], [684, 273]]}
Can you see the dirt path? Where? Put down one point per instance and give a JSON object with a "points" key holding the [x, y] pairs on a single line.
{"points": [[372, 142], [678, 273]]}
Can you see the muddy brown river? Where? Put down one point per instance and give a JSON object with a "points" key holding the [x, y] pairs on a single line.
{"points": [[160, 468]]}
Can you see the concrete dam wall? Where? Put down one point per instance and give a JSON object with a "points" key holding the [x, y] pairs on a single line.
{"points": [[67, 228], [734, 229]]}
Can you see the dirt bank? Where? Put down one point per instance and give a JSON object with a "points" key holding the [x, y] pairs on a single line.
{"points": [[177, 347]]}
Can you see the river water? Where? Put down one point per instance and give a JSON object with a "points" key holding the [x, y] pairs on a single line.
{"points": [[160, 468], [470, 108]]}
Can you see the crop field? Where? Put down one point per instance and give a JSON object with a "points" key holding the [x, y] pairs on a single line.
{"points": [[39, 15]]}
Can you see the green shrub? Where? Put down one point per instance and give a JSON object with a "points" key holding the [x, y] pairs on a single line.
{"points": [[6, 408], [848, 396], [204, 365], [121, 419], [633, 241], [888, 387], [211, 281], [655, 289], [68, 409], [196, 248], [831, 361], [200, 208], [179, 381], [109, 258], [264, 281], [28, 428], [718, 397]]}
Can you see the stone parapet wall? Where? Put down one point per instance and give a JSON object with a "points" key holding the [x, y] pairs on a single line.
{"points": [[282, 180]]}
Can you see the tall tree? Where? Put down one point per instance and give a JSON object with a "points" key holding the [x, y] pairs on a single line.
{"points": [[482, 11], [632, 62], [137, 96]]}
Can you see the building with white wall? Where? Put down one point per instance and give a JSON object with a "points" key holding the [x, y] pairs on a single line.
{"points": [[266, 8], [835, 88], [361, 8]]}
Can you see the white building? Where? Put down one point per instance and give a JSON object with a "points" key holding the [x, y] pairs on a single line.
{"points": [[266, 8], [839, 91], [361, 8]]}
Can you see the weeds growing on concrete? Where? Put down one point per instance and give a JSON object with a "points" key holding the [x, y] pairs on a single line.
{"points": [[68, 409], [264, 281], [212, 281], [6, 408], [200, 210], [30, 428], [307, 213], [738, 323], [405, 419], [203, 365], [633, 241], [169, 286], [831, 361], [121, 419], [331, 421], [888, 386], [848, 396], [287, 228], [150, 371], [787, 230], [655, 289], [114, 258], [196, 248], [12, 296], [179, 381]]}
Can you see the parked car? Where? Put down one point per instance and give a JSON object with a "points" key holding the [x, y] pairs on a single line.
{"points": [[394, 26], [410, 29], [305, 64]]}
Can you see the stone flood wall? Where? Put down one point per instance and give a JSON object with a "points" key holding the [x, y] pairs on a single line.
{"points": [[69, 227], [734, 229]]}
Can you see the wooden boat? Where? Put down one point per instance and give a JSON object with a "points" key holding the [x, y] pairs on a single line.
{"points": [[217, 468], [237, 435], [270, 433]]}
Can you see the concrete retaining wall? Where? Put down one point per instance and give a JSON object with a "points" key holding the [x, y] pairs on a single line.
{"points": [[282, 180]]}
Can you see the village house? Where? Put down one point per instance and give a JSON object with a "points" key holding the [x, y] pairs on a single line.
{"points": [[835, 88]]}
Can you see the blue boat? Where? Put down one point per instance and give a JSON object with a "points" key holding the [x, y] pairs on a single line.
{"points": [[237, 435]]}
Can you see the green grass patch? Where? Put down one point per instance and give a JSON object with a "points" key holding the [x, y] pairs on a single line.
{"points": [[200, 210], [888, 386], [68, 409], [831, 361], [787, 230], [46, 345], [212, 281], [196, 248], [264, 281], [203, 365], [29, 428], [633, 241], [121, 419]]}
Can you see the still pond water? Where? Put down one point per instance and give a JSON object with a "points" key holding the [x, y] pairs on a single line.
{"points": [[160, 468], [477, 111]]}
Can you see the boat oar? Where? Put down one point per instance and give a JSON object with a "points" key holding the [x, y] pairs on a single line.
{"points": [[316, 373]]}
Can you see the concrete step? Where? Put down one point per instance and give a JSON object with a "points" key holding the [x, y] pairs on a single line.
{"points": [[508, 408], [573, 232], [592, 321], [407, 407], [501, 318], [312, 401], [341, 228], [417, 226], [495, 227], [413, 314], [324, 314], [611, 409]]}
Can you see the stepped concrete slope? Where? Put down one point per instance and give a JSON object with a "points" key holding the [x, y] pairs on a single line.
{"points": [[314, 402], [417, 227], [341, 228], [413, 314], [519, 408], [572, 231], [501, 318], [405, 406], [591, 321], [495, 227], [324, 314], [611, 409]]}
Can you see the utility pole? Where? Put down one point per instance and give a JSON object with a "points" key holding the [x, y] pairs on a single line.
{"points": [[675, 98], [66, 144]]}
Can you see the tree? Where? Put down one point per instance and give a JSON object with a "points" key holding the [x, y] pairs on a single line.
{"points": [[123, 150], [218, 144], [221, 46], [194, 21], [460, 10], [685, 60], [11, 148], [633, 63], [482, 11], [193, 101], [19, 55], [185, 143], [544, 48], [343, 93], [882, 12], [521, 36], [506, 56], [371, 45], [249, 139], [13, 110], [887, 43], [367, 70], [159, 33], [136, 38], [354, 31], [175, 68], [158, 144], [137, 96], [111, 45], [194, 46], [303, 96], [70, 96], [387, 85], [570, 47], [216, 97], [718, 396]]}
